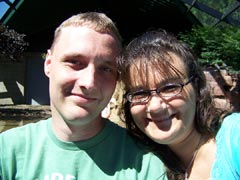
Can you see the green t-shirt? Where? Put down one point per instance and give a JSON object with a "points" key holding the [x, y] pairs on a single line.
{"points": [[32, 152]]}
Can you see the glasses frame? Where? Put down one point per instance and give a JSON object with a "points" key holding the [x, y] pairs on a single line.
{"points": [[129, 95]]}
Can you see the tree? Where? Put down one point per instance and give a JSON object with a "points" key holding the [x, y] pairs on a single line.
{"points": [[221, 6], [215, 46]]}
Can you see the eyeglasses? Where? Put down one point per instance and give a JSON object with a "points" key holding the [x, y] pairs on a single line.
{"points": [[167, 91]]}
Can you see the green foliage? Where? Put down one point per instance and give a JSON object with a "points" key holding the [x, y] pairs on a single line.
{"points": [[221, 6], [215, 46], [12, 44]]}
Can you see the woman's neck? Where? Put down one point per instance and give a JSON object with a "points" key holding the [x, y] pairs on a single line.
{"points": [[187, 147], [197, 153]]}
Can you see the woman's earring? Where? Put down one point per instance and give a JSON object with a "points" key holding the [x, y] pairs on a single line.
{"points": [[147, 110]]}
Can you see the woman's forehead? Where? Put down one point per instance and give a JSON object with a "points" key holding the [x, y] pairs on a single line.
{"points": [[145, 73], [151, 78]]}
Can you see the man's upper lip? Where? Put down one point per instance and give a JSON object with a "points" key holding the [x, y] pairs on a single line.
{"points": [[84, 96]]}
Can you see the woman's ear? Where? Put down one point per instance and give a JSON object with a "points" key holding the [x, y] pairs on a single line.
{"points": [[47, 63]]}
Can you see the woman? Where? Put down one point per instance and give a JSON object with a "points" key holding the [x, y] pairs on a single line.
{"points": [[169, 107]]}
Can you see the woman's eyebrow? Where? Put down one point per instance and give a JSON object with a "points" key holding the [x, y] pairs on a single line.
{"points": [[136, 88], [157, 84], [167, 81]]}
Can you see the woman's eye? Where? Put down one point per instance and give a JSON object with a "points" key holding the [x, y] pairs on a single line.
{"points": [[140, 94], [170, 88]]}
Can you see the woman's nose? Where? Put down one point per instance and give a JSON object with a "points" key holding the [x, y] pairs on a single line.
{"points": [[156, 104]]}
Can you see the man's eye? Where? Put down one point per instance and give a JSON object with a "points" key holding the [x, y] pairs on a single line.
{"points": [[106, 69], [75, 64]]}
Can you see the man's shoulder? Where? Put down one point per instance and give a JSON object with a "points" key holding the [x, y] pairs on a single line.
{"points": [[22, 130], [117, 129], [134, 152], [121, 136], [20, 137]]}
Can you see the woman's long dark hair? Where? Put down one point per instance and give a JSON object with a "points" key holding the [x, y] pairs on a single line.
{"points": [[151, 51]]}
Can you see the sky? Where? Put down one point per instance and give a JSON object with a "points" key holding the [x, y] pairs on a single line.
{"points": [[4, 7]]}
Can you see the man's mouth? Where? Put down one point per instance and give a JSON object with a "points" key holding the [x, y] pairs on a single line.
{"points": [[83, 98]]}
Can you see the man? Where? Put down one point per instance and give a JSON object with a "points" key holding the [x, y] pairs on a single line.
{"points": [[76, 142]]}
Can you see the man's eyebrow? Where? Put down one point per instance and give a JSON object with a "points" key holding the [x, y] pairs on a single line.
{"points": [[75, 56], [108, 62]]}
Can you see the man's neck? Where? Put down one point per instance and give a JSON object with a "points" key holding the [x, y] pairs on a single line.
{"points": [[72, 133]]}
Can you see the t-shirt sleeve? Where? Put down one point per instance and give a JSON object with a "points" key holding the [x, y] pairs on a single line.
{"points": [[233, 126], [0, 157]]}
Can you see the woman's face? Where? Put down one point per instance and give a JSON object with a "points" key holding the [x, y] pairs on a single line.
{"points": [[165, 120]]}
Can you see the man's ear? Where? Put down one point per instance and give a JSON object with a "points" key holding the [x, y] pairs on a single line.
{"points": [[47, 63]]}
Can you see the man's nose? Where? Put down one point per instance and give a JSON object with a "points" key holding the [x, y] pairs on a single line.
{"points": [[87, 77]]}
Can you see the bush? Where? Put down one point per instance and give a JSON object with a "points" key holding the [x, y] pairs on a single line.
{"points": [[214, 46], [12, 43]]}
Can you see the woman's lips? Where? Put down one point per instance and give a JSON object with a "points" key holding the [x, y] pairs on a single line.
{"points": [[161, 119]]}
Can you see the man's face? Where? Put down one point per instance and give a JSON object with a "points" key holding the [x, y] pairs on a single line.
{"points": [[82, 72]]}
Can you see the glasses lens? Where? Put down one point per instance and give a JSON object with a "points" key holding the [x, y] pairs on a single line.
{"points": [[138, 96], [169, 90]]}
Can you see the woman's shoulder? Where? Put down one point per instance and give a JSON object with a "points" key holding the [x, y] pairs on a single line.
{"points": [[227, 165], [230, 128], [232, 119]]}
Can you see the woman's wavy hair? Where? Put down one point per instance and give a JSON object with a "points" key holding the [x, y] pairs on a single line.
{"points": [[151, 51]]}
